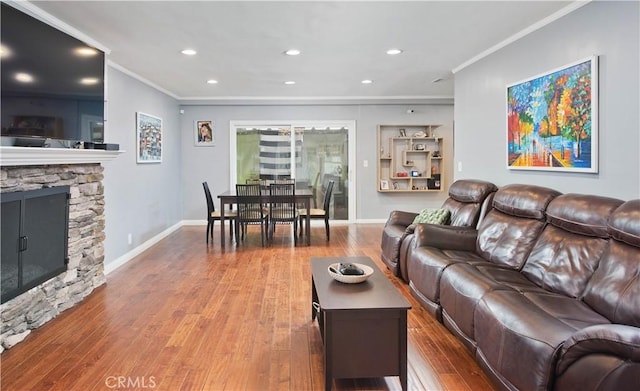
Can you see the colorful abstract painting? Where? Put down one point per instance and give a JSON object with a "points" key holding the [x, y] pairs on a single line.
{"points": [[149, 138], [552, 120]]}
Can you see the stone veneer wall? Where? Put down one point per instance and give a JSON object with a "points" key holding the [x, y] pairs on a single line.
{"points": [[85, 270]]}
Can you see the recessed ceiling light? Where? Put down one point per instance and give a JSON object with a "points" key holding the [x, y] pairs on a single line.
{"points": [[88, 81], [212, 81], [393, 52], [5, 52], [85, 51], [189, 52], [367, 81], [292, 52], [290, 82], [24, 77]]}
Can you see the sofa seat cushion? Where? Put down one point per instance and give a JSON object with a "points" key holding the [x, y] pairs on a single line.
{"points": [[426, 265], [463, 285], [574, 313], [519, 335]]}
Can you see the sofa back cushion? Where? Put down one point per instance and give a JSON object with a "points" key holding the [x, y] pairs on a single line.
{"points": [[509, 230], [614, 289], [466, 197], [570, 247]]}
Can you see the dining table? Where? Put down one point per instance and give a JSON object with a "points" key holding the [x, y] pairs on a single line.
{"points": [[229, 197]]}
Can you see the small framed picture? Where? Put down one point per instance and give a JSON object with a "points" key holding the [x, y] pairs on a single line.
{"points": [[384, 184], [203, 133], [403, 133]]}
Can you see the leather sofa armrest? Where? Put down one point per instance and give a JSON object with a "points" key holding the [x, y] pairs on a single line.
{"points": [[609, 339], [401, 218], [446, 237]]}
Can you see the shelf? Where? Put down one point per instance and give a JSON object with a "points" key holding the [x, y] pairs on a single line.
{"points": [[29, 156], [399, 155], [410, 191]]}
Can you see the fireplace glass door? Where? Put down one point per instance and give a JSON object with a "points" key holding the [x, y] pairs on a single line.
{"points": [[34, 227]]}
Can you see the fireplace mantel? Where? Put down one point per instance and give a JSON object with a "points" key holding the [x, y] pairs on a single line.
{"points": [[27, 156]]}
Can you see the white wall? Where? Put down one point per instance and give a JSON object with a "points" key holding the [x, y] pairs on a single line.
{"points": [[141, 199], [211, 164], [607, 29]]}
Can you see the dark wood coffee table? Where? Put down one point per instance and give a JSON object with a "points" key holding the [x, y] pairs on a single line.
{"points": [[363, 326]]}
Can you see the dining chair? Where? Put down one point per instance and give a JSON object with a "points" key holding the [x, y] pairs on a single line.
{"points": [[283, 208], [250, 211], [319, 213], [213, 215], [284, 180]]}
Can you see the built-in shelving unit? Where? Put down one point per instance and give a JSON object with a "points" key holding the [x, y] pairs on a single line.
{"points": [[410, 158]]}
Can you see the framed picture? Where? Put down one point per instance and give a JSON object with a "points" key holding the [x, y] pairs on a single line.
{"points": [[149, 138], [384, 184], [203, 134], [552, 120]]}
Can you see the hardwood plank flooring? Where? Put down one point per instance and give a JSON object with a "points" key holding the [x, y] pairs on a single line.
{"points": [[187, 316]]}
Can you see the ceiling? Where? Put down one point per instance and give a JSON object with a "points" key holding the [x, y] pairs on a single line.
{"points": [[241, 44]]}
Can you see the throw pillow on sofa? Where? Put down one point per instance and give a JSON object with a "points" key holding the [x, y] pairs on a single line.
{"points": [[432, 216]]}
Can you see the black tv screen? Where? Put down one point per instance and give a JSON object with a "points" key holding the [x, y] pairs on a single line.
{"points": [[52, 83]]}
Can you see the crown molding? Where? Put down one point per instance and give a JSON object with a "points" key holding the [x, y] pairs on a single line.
{"points": [[315, 100], [534, 27]]}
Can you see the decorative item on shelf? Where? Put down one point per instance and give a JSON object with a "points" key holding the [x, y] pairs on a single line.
{"points": [[409, 163], [420, 134], [434, 171], [433, 183], [415, 173], [419, 147], [402, 174], [395, 185], [384, 184], [436, 153], [403, 133]]}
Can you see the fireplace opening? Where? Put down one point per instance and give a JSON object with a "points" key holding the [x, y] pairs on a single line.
{"points": [[34, 238]]}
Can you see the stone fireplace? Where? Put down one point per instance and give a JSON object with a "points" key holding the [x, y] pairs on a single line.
{"points": [[85, 268]]}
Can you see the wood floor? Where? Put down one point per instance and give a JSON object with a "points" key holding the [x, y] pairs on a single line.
{"points": [[184, 316]]}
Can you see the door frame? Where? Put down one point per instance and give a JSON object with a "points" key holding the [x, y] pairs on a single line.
{"points": [[350, 125]]}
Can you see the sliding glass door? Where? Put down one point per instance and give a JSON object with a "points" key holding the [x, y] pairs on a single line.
{"points": [[313, 153]]}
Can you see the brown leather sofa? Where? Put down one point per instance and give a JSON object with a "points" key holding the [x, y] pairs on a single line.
{"points": [[468, 201], [545, 293]]}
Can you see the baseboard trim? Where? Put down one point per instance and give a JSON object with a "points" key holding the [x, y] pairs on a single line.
{"points": [[116, 263]]}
